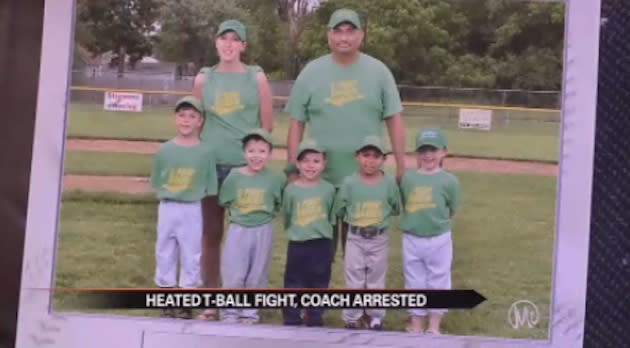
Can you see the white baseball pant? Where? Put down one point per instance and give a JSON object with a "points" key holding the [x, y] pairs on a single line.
{"points": [[427, 265], [179, 231], [365, 267], [245, 263]]}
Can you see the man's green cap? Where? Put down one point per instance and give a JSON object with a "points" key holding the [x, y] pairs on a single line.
{"points": [[431, 137], [258, 133], [375, 142], [189, 100], [344, 15], [235, 26], [309, 145]]}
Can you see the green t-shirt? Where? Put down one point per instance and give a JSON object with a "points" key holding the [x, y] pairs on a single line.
{"points": [[341, 106], [252, 200], [308, 211], [368, 205], [429, 201], [183, 173], [232, 108]]}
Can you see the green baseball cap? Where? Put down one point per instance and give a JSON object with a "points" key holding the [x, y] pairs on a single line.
{"points": [[375, 142], [309, 145], [258, 133], [235, 26], [431, 137], [344, 15], [189, 100]]}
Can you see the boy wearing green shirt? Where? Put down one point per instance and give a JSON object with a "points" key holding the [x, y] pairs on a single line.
{"points": [[431, 197], [366, 201], [252, 194], [183, 173], [308, 218]]}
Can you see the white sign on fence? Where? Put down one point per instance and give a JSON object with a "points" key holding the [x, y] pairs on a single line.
{"points": [[123, 101], [475, 118]]}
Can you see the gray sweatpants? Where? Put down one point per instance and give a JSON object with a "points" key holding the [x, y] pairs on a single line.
{"points": [[179, 230], [427, 265], [365, 267], [245, 262]]}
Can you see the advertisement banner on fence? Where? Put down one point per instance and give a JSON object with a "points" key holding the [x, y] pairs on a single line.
{"points": [[123, 101], [475, 118]]}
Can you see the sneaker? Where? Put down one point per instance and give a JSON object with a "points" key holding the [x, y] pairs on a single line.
{"points": [[352, 325], [167, 313], [184, 313], [376, 324], [229, 319], [433, 332]]}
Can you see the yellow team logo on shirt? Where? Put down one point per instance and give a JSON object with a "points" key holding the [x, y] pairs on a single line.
{"points": [[180, 179], [344, 92], [250, 199], [420, 198], [227, 102], [368, 213], [309, 211]]}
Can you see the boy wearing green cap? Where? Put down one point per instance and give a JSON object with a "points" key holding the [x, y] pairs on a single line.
{"points": [[308, 219], [431, 197], [252, 194], [183, 174], [366, 201]]}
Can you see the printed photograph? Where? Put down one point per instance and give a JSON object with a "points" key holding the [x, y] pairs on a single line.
{"points": [[305, 144]]}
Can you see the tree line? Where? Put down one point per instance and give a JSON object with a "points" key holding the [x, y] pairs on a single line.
{"points": [[459, 43]]}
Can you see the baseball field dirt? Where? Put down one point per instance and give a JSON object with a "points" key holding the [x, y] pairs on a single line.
{"points": [[138, 185]]}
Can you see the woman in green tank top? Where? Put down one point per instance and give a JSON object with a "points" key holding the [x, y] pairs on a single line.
{"points": [[236, 98]]}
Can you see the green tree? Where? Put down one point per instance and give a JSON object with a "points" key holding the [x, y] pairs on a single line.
{"points": [[188, 29], [414, 38], [122, 26]]}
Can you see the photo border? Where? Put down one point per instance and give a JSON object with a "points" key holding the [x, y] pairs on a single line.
{"points": [[38, 325]]}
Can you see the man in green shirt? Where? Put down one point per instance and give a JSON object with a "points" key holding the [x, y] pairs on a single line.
{"points": [[342, 97], [183, 173]]}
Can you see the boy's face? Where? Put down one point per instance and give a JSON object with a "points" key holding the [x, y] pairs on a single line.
{"points": [[311, 165], [257, 152], [429, 157], [188, 121], [370, 160]]}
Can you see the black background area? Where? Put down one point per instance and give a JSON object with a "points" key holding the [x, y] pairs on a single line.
{"points": [[608, 294], [20, 47]]}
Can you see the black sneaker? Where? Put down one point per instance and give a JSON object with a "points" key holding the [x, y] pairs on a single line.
{"points": [[167, 313], [183, 313]]}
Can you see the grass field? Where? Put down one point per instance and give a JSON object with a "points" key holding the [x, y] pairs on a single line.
{"points": [[526, 136], [107, 163], [503, 241]]}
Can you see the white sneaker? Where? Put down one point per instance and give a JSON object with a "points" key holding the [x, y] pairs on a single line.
{"points": [[376, 324]]}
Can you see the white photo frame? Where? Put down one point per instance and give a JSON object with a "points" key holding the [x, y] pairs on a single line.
{"points": [[39, 326]]}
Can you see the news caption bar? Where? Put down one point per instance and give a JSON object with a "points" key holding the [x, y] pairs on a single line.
{"points": [[278, 298]]}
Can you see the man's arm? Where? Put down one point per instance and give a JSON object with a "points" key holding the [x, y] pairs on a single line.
{"points": [[266, 102], [396, 128], [296, 132]]}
